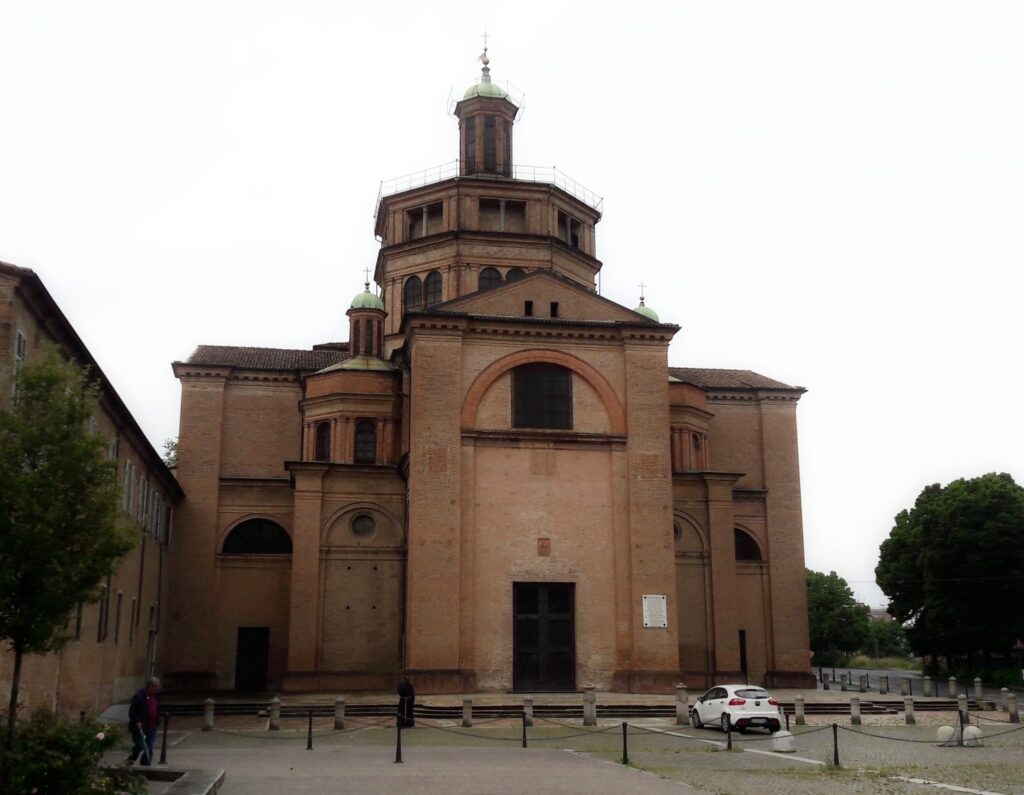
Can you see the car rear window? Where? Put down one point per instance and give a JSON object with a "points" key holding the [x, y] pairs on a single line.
{"points": [[753, 693]]}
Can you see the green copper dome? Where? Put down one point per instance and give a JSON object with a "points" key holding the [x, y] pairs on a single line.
{"points": [[487, 89], [647, 312], [367, 300]]}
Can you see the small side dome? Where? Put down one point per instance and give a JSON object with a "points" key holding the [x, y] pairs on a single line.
{"points": [[485, 90], [647, 312], [367, 300]]}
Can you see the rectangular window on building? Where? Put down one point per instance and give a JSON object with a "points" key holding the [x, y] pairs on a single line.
{"points": [[507, 164], [569, 229], [103, 616], [554, 309], [117, 618], [490, 215], [129, 478], [133, 618], [20, 348], [490, 149], [541, 396], [470, 153], [528, 308]]}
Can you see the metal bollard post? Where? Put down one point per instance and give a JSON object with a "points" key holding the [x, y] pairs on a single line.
{"points": [[855, 710], [979, 691], [883, 685], [728, 737], [309, 732], [833, 674], [835, 745], [339, 713], [467, 713], [787, 719], [589, 707], [208, 715], [625, 747], [961, 705], [398, 741], [929, 691], [682, 706], [798, 706], [524, 730], [960, 734], [908, 710], [528, 710], [163, 744], [1011, 707], [275, 714], [952, 687]]}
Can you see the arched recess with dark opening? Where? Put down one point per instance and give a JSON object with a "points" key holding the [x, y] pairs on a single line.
{"points": [[323, 442], [515, 275], [432, 289], [258, 537], [413, 295], [747, 547], [489, 278]]}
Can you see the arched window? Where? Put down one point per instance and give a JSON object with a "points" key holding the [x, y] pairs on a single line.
{"points": [[366, 442], [413, 294], [515, 275], [323, 442], [258, 537], [369, 337], [354, 346], [432, 288], [489, 277], [746, 546], [541, 396]]}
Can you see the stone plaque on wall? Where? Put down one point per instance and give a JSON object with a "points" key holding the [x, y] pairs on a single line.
{"points": [[655, 611]]}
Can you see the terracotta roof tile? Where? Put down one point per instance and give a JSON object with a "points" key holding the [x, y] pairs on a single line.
{"points": [[711, 378], [244, 358]]}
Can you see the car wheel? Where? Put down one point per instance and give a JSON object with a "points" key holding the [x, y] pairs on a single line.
{"points": [[725, 722], [695, 720]]}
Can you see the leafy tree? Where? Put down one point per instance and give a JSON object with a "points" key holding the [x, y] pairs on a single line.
{"points": [[170, 455], [839, 623], [953, 569], [886, 639], [58, 507]]}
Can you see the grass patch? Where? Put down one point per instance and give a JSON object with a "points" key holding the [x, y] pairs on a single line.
{"points": [[877, 663]]}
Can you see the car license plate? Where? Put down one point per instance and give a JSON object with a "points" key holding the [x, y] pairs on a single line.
{"points": [[759, 720]]}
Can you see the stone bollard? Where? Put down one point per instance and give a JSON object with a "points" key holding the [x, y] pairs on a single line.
{"points": [[1011, 707], [952, 687], [798, 708], [908, 710], [782, 742], [589, 707], [339, 713], [682, 706], [528, 710], [855, 710], [929, 691], [961, 705], [904, 686], [208, 715], [275, 714], [467, 712], [979, 691], [972, 736], [842, 683], [944, 734], [883, 685], [1004, 692]]}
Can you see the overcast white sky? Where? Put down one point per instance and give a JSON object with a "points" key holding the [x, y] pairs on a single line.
{"points": [[827, 193]]}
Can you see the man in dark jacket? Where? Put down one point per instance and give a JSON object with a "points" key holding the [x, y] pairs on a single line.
{"points": [[143, 720]]}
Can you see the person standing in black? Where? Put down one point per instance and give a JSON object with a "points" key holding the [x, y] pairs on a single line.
{"points": [[406, 699]]}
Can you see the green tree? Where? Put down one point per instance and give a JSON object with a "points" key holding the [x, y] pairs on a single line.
{"points": [[58, 507], [839, 623], [170, 455], [886, 639], [953, 569]]}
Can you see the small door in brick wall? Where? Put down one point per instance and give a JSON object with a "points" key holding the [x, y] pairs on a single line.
{"points": [[544, 637]]}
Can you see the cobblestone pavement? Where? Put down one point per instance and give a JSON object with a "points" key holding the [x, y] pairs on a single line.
{"points": [[873, 757]]}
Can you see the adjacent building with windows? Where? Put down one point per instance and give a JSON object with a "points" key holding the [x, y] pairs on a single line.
{"points": [[113, 644], [498, 483]]}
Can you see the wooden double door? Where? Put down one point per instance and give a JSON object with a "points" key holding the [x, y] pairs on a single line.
{"points": [[544, 636]]}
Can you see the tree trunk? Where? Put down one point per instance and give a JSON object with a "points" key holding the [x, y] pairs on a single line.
{"points": [[12, 718]]}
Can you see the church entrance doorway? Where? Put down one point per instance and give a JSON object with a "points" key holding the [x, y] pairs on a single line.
{"points": [[251, 658], [543, 636]]}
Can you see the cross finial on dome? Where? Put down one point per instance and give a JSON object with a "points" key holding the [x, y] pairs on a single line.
{"points": [[366, 283], [642, 286], [485, 71]]}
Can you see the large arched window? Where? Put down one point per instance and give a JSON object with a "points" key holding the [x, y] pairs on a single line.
{"points": [[541, 396], [746, 546], [489, 277], [366, 442], [515, 275], [432, 289], [413, 294], [323, 442], [258, 537]]}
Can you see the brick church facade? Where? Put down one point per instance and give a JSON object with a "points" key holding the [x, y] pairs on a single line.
{"points": [[498, 483]]}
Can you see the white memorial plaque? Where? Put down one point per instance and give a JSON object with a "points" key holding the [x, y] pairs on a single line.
{"points": [[655, 611]]}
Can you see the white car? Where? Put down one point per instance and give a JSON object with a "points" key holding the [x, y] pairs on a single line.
{"points": [[737, 707]]}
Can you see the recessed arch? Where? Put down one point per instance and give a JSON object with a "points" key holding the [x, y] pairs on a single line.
{"points": [[496, 369], [747, 547], [689, 527], [337, 530], [256, 535]]}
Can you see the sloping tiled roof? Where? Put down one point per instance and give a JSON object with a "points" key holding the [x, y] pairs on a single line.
{"points": [[244, 358], [711, 378]]}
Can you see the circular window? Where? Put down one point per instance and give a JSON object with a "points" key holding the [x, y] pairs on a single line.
{"points": [[363, 525]]}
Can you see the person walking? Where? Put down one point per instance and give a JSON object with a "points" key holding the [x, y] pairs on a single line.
{"points": [[143, 721]]}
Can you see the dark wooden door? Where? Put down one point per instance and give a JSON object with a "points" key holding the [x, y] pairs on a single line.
{"points": [[544, 636], [253, 652]]}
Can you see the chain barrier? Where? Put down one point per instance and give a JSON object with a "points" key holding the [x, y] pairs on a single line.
{"points": [[616, 727], [461, 733], [1000, 734], [887, 737], [976, 716]]}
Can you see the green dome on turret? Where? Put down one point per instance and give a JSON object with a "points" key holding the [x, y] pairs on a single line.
{"points": [[367, 300], [485, 90], [646, 311]]}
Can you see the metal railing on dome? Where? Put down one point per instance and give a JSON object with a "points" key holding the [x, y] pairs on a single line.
{"points": [[548, 175]]}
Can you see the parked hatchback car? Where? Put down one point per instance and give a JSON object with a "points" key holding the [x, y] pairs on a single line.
{"points": [[737, 707]]}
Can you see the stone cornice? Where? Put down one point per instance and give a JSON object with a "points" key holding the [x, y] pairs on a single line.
{"points": [[541, 438]]}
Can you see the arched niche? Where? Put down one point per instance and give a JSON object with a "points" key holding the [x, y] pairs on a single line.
{"points": [[257, 536]]}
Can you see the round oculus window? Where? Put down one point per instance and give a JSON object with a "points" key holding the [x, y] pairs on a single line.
{"points": [[363, 525]]}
